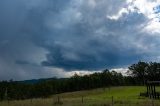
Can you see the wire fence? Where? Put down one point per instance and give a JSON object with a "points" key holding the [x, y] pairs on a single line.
{"points": [[83, 101]]}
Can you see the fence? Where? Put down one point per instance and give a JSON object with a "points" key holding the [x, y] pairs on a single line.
{"points": [[83, 101]]}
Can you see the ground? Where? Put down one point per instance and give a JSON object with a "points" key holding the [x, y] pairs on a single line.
{"points": [[116, 96]]}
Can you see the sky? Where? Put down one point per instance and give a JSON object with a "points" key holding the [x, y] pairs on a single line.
{"points": [[57, 38]]}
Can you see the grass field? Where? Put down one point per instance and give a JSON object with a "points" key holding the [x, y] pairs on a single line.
{"points": [[116, 96]]}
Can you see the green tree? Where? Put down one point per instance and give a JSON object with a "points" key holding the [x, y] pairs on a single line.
{"points": [[139, 71]]}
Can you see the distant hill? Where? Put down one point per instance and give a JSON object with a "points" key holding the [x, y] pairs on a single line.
{"points": [[34, 81]]}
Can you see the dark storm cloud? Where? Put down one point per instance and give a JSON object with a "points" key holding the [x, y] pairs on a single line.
{"points": [[70, 35], [21, 62], [21, 28], [85, 48]]}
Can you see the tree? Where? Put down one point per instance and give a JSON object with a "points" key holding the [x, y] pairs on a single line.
{"points": [[153, 71], [139, 70]]}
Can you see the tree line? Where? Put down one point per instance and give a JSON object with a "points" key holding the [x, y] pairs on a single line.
{"points": [[138, 74]]}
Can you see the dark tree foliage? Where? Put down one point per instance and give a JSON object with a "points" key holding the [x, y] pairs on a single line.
{"points": [[139, 71], [144, 71]]}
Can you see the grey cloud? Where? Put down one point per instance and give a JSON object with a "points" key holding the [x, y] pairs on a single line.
{"points": [[96, 46], [69, 34], [22, 62]]}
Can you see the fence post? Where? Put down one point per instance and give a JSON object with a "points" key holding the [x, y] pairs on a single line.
{"points": [[152, 101], [31, 101], [82, 99], [112, 101], [8, 102], [58, 99], [53, 101]]}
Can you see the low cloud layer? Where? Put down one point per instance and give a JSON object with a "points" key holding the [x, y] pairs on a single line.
{"points": [[40, 38]]}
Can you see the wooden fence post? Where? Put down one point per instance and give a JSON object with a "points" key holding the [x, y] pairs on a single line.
{"points": [[82, 99], [58, 99], [31, 101], [112, 101], [152, 101], [8, 102]]}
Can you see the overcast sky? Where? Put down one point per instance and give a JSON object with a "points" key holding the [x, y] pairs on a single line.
{"points": [[47, 38]]}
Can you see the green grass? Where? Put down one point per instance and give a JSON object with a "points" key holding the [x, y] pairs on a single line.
{"points": [[122, 96]]}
